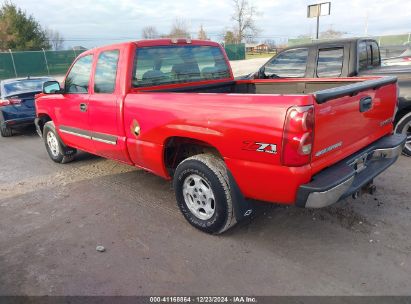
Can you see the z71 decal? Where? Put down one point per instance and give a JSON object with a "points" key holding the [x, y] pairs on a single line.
{"points": [[260, 147]]}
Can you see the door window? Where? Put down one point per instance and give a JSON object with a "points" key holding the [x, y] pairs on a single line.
{"points": [[77, 81], [288, 64]]}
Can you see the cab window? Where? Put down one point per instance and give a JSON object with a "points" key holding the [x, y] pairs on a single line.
{"points": [[375, 54], [106, 72], [165, 65], [362, 56], [330, 62], [77, 81], [288, 64]]}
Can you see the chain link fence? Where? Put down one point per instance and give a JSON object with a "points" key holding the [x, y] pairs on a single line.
{"points": [[36, 63], [235, 51]]}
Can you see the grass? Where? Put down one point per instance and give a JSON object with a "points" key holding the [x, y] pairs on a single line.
{"points": [[258, 55]]}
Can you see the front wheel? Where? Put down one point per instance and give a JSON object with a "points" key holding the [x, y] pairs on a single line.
{"points": [[404, 127], [203, 193], [57, 151]]}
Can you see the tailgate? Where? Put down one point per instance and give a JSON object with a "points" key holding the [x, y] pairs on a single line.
{"points": [[348, 118]]}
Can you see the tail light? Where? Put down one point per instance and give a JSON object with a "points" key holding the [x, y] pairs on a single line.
{"points": [[298, 136], [11, 101], [406, 58]]}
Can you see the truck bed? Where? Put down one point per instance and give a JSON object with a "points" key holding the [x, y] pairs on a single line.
{"points": [[288, 86]]}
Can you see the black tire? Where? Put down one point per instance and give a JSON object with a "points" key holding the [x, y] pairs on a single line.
{"points": [[213, 175], [6, 132], [58, 152], [404, 127]]}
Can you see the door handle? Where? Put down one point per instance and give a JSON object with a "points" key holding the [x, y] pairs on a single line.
{"points": [[365, 104], [83, 107]]}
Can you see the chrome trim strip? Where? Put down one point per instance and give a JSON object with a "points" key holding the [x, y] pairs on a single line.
{"points": [[329, 197], [104, 141], [75, 134], [100, 137]]}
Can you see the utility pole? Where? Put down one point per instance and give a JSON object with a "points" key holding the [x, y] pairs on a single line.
{"points": [[318, 10], [366, 24], [14, 64]]}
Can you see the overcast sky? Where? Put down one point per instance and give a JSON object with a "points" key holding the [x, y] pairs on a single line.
{"points": [[96, 22]]}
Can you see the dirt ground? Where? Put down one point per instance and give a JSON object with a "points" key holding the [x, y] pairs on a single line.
{"points": [[53, 216]]}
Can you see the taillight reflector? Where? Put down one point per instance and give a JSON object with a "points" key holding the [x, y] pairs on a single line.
{"points": [[11, 101], [298, 136]]}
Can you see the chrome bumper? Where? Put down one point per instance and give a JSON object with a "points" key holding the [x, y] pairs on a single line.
{"points": [[352, 174]]}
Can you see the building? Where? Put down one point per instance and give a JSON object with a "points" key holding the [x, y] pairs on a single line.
{"points": [[257, 48]]}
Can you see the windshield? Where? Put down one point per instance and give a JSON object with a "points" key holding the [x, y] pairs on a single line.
{"points": [[178, 64], [23, 86]]}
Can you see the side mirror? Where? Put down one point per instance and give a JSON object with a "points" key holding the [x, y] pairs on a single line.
{"points": [[51, 87]]}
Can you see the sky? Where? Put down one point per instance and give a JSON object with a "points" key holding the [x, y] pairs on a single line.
{"points": [[92, 23]]}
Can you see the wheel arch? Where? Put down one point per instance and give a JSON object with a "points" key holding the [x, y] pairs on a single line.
{"points": [[178, 148], [41, 120]]}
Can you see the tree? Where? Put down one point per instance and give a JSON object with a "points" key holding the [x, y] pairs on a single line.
{"points": [[55, 39], [331, 34], [202, 35], [230, 38], [179, 29], [19, 31], [271, 44], [150, 32], [244, 16]]}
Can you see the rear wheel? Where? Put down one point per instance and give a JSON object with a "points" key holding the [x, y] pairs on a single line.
{"points": [[6, 132], [404, 127], [57, 151], [203, 193]]}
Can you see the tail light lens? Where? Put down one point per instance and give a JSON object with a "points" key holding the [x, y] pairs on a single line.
{"points": [[298, 136], [11, 101], [406, 58]]}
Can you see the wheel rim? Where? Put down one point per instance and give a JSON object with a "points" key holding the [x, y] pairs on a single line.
{"points": [[53, 144], [199, 197], [406, 130]]}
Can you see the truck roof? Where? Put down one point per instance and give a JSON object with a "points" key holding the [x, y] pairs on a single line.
{"points": [[157, 42], [330, 41]]}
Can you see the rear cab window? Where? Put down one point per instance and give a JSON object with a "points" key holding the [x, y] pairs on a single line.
{"points": [[288, 64], [164, 65], [106, 72], [368, 55], [330, 62]]}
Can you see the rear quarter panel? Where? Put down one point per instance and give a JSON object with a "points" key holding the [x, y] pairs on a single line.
{"points": [[225, 121]]}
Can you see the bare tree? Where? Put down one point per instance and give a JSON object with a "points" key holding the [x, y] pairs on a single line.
{"points": [[202, 35], [56, 40], [331, 34], [244, 16], [271, 44], [150, 32], [179, 29]]}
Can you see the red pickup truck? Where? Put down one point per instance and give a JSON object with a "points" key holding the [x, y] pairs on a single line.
{"points": [[172, 107]]}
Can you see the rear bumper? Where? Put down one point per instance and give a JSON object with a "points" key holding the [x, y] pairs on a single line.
{"points": [[352, 174]]}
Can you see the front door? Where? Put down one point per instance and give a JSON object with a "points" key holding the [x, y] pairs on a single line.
{"points": [[72, 110], [105, 116]]}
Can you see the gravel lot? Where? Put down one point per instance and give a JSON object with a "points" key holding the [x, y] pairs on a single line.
{"points": [[53, 216]]}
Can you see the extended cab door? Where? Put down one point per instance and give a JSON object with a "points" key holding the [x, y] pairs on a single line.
{"points": [[105, 107], [72, 110]]}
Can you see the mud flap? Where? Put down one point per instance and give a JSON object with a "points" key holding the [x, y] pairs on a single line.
{"points": [[243, 208]]}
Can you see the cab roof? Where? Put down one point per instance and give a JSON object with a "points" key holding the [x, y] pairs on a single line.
{"points": [[157, 42]]}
